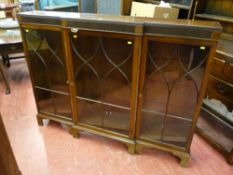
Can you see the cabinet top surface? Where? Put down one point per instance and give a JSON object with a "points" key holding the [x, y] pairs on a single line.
{"points": [[210, 25]]}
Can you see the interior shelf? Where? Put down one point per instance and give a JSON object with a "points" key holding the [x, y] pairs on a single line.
{"points": [[226, 36], [218, 117], [215, 17], [212, 128], [227, 56], [224, 49]]}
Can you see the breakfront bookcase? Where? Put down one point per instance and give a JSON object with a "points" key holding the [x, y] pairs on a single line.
{"points": [[136, 80]]}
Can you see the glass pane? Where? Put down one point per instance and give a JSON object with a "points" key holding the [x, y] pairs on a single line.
{"points": [[47, 62], [176, 131], [47, 59], [116, 119], [103, 78], [116, 76], [155, 92], [90, 112], [62, 105], [45, 103], [151, 125], [173, 77], [53, 103]]}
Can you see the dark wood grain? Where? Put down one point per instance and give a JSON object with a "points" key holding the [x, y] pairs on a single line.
{"points": [[228, 72], [217, 67], [8, 164]]}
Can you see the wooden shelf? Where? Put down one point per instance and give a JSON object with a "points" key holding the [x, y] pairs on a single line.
{"points": [[215, 17], [211, 133], [224, 49], [226, 36], [227, 56], [218, 116]]}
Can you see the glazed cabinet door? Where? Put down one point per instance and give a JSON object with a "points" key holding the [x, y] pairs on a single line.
{"points": [[103, 67], [46, 60], [169, 86]]}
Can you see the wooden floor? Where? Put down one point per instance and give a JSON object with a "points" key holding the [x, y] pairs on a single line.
{"points": [[50, 150]]}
